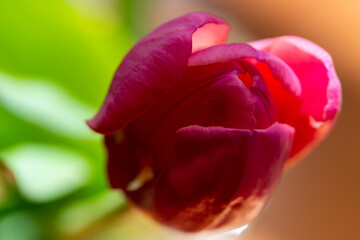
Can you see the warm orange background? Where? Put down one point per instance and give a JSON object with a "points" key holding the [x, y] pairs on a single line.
{"points": [[320, 198]]}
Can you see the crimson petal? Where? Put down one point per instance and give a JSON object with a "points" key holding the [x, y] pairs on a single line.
{"points": [[214, 170], [198, 99]]}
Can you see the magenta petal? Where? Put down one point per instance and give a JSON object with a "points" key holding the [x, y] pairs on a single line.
{"points": [[152, 67], [216, 175]]}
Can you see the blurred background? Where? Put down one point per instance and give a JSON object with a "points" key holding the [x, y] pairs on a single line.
{"points": [[57, 58]]}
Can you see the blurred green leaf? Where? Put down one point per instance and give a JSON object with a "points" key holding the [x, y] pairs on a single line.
{"points": [[18, 226], [47, 105], [44, 173], [57, 58], [49, 39], [82, 214]]}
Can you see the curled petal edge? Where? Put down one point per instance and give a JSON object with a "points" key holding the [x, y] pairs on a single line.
{"points": [[238, 51], [153, 66], [333, 91]]}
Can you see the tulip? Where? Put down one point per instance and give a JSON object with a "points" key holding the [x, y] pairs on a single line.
{"points": [[199, 132]]}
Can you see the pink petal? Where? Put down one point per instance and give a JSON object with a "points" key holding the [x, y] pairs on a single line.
{"points": [[153, 66], [237, 51], [216, 177], [321, 94], [209, 35], [320, 100]]}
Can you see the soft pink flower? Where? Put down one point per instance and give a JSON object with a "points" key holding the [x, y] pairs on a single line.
{"points": [[198, 132]]}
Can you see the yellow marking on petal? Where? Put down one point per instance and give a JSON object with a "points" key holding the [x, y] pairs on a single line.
{"points": [[145, 175]]}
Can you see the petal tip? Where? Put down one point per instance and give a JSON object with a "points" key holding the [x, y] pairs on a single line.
{"points": [[102, 127]]}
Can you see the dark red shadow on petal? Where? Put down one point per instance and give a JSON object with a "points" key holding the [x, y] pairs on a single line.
{"points": [[246, 79], [203, 98], [216, 177], [125, 160]]}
